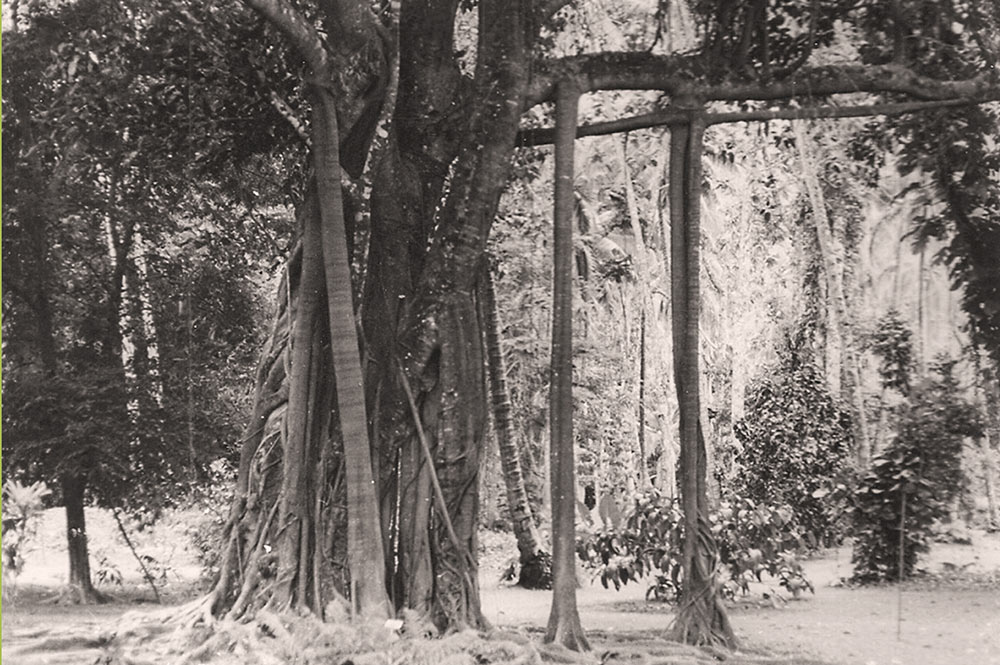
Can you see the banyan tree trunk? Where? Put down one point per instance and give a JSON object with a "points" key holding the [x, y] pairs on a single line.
{"points": [[433, 198], [283, 543]]}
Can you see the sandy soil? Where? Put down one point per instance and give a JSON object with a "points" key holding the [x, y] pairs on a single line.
{"points": [[950, 617]]}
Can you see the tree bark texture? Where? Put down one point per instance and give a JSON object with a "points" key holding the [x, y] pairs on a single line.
{"points": [[284, 541], [564, 619], [701, 617], [366, 555], [536, 564], [437, 191]]}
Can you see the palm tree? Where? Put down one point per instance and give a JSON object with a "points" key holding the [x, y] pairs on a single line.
{"points": [[536, 564]]}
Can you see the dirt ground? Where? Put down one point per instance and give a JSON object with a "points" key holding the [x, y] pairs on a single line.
{"points": [[950, 616]]}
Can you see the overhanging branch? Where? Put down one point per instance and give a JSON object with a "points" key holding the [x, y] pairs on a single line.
{"points": [[685, 74], [299, 31], [544, 136]]}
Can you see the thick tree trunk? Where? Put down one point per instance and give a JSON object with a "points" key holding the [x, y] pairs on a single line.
{"points": [[284, 542], [564, 619], [701, 617], [295, 519], [536, 564], [431, 217], [81, 589]]}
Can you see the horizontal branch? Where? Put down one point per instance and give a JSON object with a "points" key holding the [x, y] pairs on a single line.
{"points": [[685, 75], [544, 136]]}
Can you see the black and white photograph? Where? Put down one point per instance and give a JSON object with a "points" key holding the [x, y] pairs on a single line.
{"points": [[501, 332]]}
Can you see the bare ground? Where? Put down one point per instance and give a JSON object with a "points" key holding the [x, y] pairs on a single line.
{"points": [[951, 616]]}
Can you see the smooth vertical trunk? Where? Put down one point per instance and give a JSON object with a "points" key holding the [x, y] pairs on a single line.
{"points": [[564, 619]]}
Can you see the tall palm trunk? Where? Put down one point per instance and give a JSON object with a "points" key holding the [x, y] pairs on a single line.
{"points": [[536, 564], [564, 619], [364, 531]]}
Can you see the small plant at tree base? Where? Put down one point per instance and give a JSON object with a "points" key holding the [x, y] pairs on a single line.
{"points": [[795, 441], [752, 540], [22, 507], [911, 485], [107, 573]]}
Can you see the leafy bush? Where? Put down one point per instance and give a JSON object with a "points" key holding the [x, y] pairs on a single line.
{"points": [[22, 507], [752, 540], [892, 342], [794, 446], [916, 478]]}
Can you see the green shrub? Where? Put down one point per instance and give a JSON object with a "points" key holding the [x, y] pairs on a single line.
{"points": [[22, 509], [794, 446], [917, 477], [752, 540]]}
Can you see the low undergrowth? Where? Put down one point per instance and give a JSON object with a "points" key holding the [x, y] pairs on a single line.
{"points": [[753, 540]]}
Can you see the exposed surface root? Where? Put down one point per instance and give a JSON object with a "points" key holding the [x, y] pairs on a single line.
{"points": [[155, 639]]}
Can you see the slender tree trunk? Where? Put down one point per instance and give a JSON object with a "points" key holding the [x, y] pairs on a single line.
{"points": [[989, 476], [833, 270], [148, 334], [81, 589], [564, 619], [643, 456], [536, 564], [701, 617], [989, 389], [922, 326], [642, 289]]}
